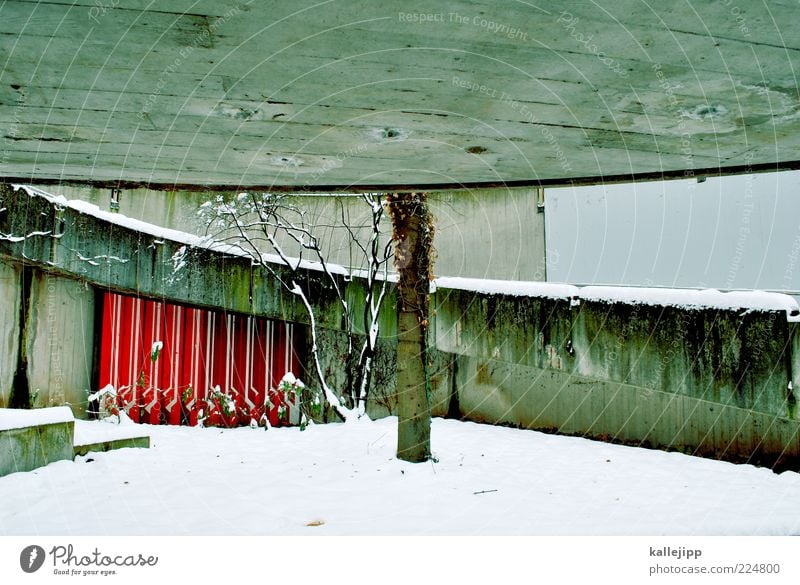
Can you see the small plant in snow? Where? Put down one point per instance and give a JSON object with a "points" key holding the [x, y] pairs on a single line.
{"points": [[220, 410], [137, 408], [110, 406], [279, 401]]}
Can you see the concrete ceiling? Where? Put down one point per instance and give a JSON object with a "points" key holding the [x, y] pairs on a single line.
{"points": [[347, 95]]}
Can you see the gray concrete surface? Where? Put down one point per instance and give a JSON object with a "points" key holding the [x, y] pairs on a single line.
{"points": [[129, 442], [61, 341], [9, 327], [302, 95], [27, 448], [485, 233]]}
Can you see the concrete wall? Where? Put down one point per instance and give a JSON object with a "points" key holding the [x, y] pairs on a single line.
{"points": [[61, 341], [711, 382], [32, 447], [58, 337], [9, 327], [108, 255], [495, 234], [172, 209]]}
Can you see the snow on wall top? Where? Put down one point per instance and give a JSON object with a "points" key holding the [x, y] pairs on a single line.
{"points": [[93, 210], [20, 418], [163, 233], [681, 298], [673, 297], [550, 290], [755, 300]]}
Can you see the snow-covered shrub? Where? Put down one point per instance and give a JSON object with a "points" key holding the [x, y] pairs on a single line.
{"points": [[107, 401], [221, 410], [110, 406]]}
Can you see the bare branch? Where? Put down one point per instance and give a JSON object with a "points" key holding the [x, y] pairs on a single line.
{"points": [[253, 223]]}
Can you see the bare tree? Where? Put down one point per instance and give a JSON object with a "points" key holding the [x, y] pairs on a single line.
{"points": [[274, 232]]}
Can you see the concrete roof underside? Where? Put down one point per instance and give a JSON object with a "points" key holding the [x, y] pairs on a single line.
{"points": [[346, 95]]}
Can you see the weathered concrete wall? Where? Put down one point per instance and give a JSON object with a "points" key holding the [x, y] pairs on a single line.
{"points": [[489, 234], [481, 233], [60, 341], [710, 382], [32, 447], [109, 255], [58, 332], [170, 209], [537, 398], [9, 327], [381, 401]]}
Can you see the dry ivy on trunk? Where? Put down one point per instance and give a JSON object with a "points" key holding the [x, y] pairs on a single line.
{"points": [[412, 232]]}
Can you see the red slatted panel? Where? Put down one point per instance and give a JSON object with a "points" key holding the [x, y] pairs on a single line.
{"points": [[201, 350], [193, 364]]}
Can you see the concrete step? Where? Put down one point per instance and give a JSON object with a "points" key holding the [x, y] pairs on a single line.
{"points": [[31, 438], [138, 442], [100, 436]]}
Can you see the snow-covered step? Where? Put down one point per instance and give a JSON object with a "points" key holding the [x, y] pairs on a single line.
{"points": [[104, 436], [32, 438]]}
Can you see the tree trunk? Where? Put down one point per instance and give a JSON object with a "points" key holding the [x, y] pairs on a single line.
{"points": [[412, 228]]}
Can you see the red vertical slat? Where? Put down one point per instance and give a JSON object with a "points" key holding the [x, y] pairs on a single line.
{"points": [[258, 381], [273, 377], [167, 362], [131, 358], [191, 363], [246, 362], [107, 339], [126, 317], [218, 351], [239, 358], [151, 333]]}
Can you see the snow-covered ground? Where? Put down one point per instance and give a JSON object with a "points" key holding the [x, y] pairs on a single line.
{"points": [[345, 479], [91, 432]]}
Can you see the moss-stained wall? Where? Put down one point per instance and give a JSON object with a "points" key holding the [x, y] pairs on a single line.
{"points": [[123, 259], [60, 342], [711, 382], [9, 327], [381, 400]]}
